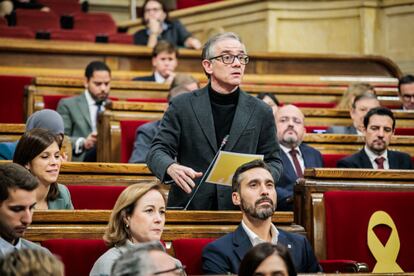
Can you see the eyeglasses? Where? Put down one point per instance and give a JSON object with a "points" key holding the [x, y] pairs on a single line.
{"points": [[180, 270], [408, 97], [229, 59]]}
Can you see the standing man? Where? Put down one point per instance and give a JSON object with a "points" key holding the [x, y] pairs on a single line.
{"points": [[80, 113], [164, 62], [379, 127], [196, 124], [17, 202], [296, 156], [406, 92], [254, 192]]}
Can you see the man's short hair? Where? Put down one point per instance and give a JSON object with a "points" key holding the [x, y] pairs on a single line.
{"points": [[363, 96], [208, 48], [164, 46], [96, 66], [235, 183], [272, 96], [137, 261], [382, 111], [14, 176], [407, 79], [31, 262]]}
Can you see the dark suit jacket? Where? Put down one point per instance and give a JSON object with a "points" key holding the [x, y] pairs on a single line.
{"points": [[284, 188], [77, 120], [187, 133], [397, 160], [143, 138], [145, 78], [342, 130], [223, 256]]}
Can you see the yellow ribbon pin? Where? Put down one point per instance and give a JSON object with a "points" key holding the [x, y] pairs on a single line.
{"points": [[386, 256]]}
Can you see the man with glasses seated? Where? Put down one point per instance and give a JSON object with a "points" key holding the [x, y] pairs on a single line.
{"points": [[406, 92], [145, 259], [218, 116]]}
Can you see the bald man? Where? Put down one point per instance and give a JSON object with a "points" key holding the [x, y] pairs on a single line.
{"points": [[295, 155]]}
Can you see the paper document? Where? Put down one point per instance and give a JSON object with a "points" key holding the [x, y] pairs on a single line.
{"points": [[226, 164]]}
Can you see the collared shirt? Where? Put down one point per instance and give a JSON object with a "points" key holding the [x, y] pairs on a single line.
{"points": [[93, 109], [255, 240], [6, 247], [372, 156], [159, 78], [299, 156]]}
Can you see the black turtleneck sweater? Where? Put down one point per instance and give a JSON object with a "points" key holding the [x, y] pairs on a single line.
{"points": [[224, 108]]}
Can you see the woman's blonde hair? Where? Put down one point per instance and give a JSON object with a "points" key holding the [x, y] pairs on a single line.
{"points": [[354, 90], [31, 262], [117, 233]]}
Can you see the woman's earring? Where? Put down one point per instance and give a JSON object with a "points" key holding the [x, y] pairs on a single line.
{"points": [[127, 225]]}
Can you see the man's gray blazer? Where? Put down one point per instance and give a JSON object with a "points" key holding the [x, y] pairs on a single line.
{"points": [[342, 130], [187, 134], [77, 120]]}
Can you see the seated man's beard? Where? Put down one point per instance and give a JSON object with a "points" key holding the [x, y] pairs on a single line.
{"points": [[262, 212]]}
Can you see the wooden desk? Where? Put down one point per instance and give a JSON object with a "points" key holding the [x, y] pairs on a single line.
{"points": [[76, 55], [91, 224]]}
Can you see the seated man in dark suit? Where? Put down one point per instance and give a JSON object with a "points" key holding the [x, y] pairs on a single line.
{"points": [[360, 106], [296, 156], [406, 92], [145, 133], [164, 62], [379, 126], [254, 191]]}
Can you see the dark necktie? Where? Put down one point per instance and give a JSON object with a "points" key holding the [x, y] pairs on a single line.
{"points": [[98, 111], [380, 162], [294, 154]]}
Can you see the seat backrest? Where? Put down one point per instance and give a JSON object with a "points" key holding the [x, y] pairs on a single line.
{"points": [[347, 221], [94, 197], [77, 255], [100, 23], [72, 35], [128, 130], [11, 98], [330, 160], [189, 251], [37, 20], [316, 129]]}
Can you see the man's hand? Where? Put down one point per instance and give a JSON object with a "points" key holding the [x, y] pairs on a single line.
{"points": [[154, 26], [90, 141], [183, 176]]}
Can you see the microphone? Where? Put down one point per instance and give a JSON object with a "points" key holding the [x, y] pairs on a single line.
{"points": [[223, 143]]}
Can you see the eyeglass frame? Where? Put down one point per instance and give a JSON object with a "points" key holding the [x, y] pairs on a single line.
{"points": [[233, 58], [177, 266], [407, 97]]}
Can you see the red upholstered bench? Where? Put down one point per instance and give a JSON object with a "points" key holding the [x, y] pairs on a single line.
{"points": [[347, 225], [148, 100], [11, 102], [316, 129], [52, 101], [94, 197], [315, 105], [404, 131], [188, 251], [330, 160], [77, 255], [128, 129]]}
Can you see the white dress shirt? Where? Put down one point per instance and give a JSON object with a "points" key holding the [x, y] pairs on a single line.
{"points": [[372, 156], [255, 240]]}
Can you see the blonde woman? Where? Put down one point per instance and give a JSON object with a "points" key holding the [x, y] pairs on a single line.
{"points": [[138, 216], [354, 90]]}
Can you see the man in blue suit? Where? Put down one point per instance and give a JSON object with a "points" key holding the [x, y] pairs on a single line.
{"points": [[254, 192], [295, 155]]}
